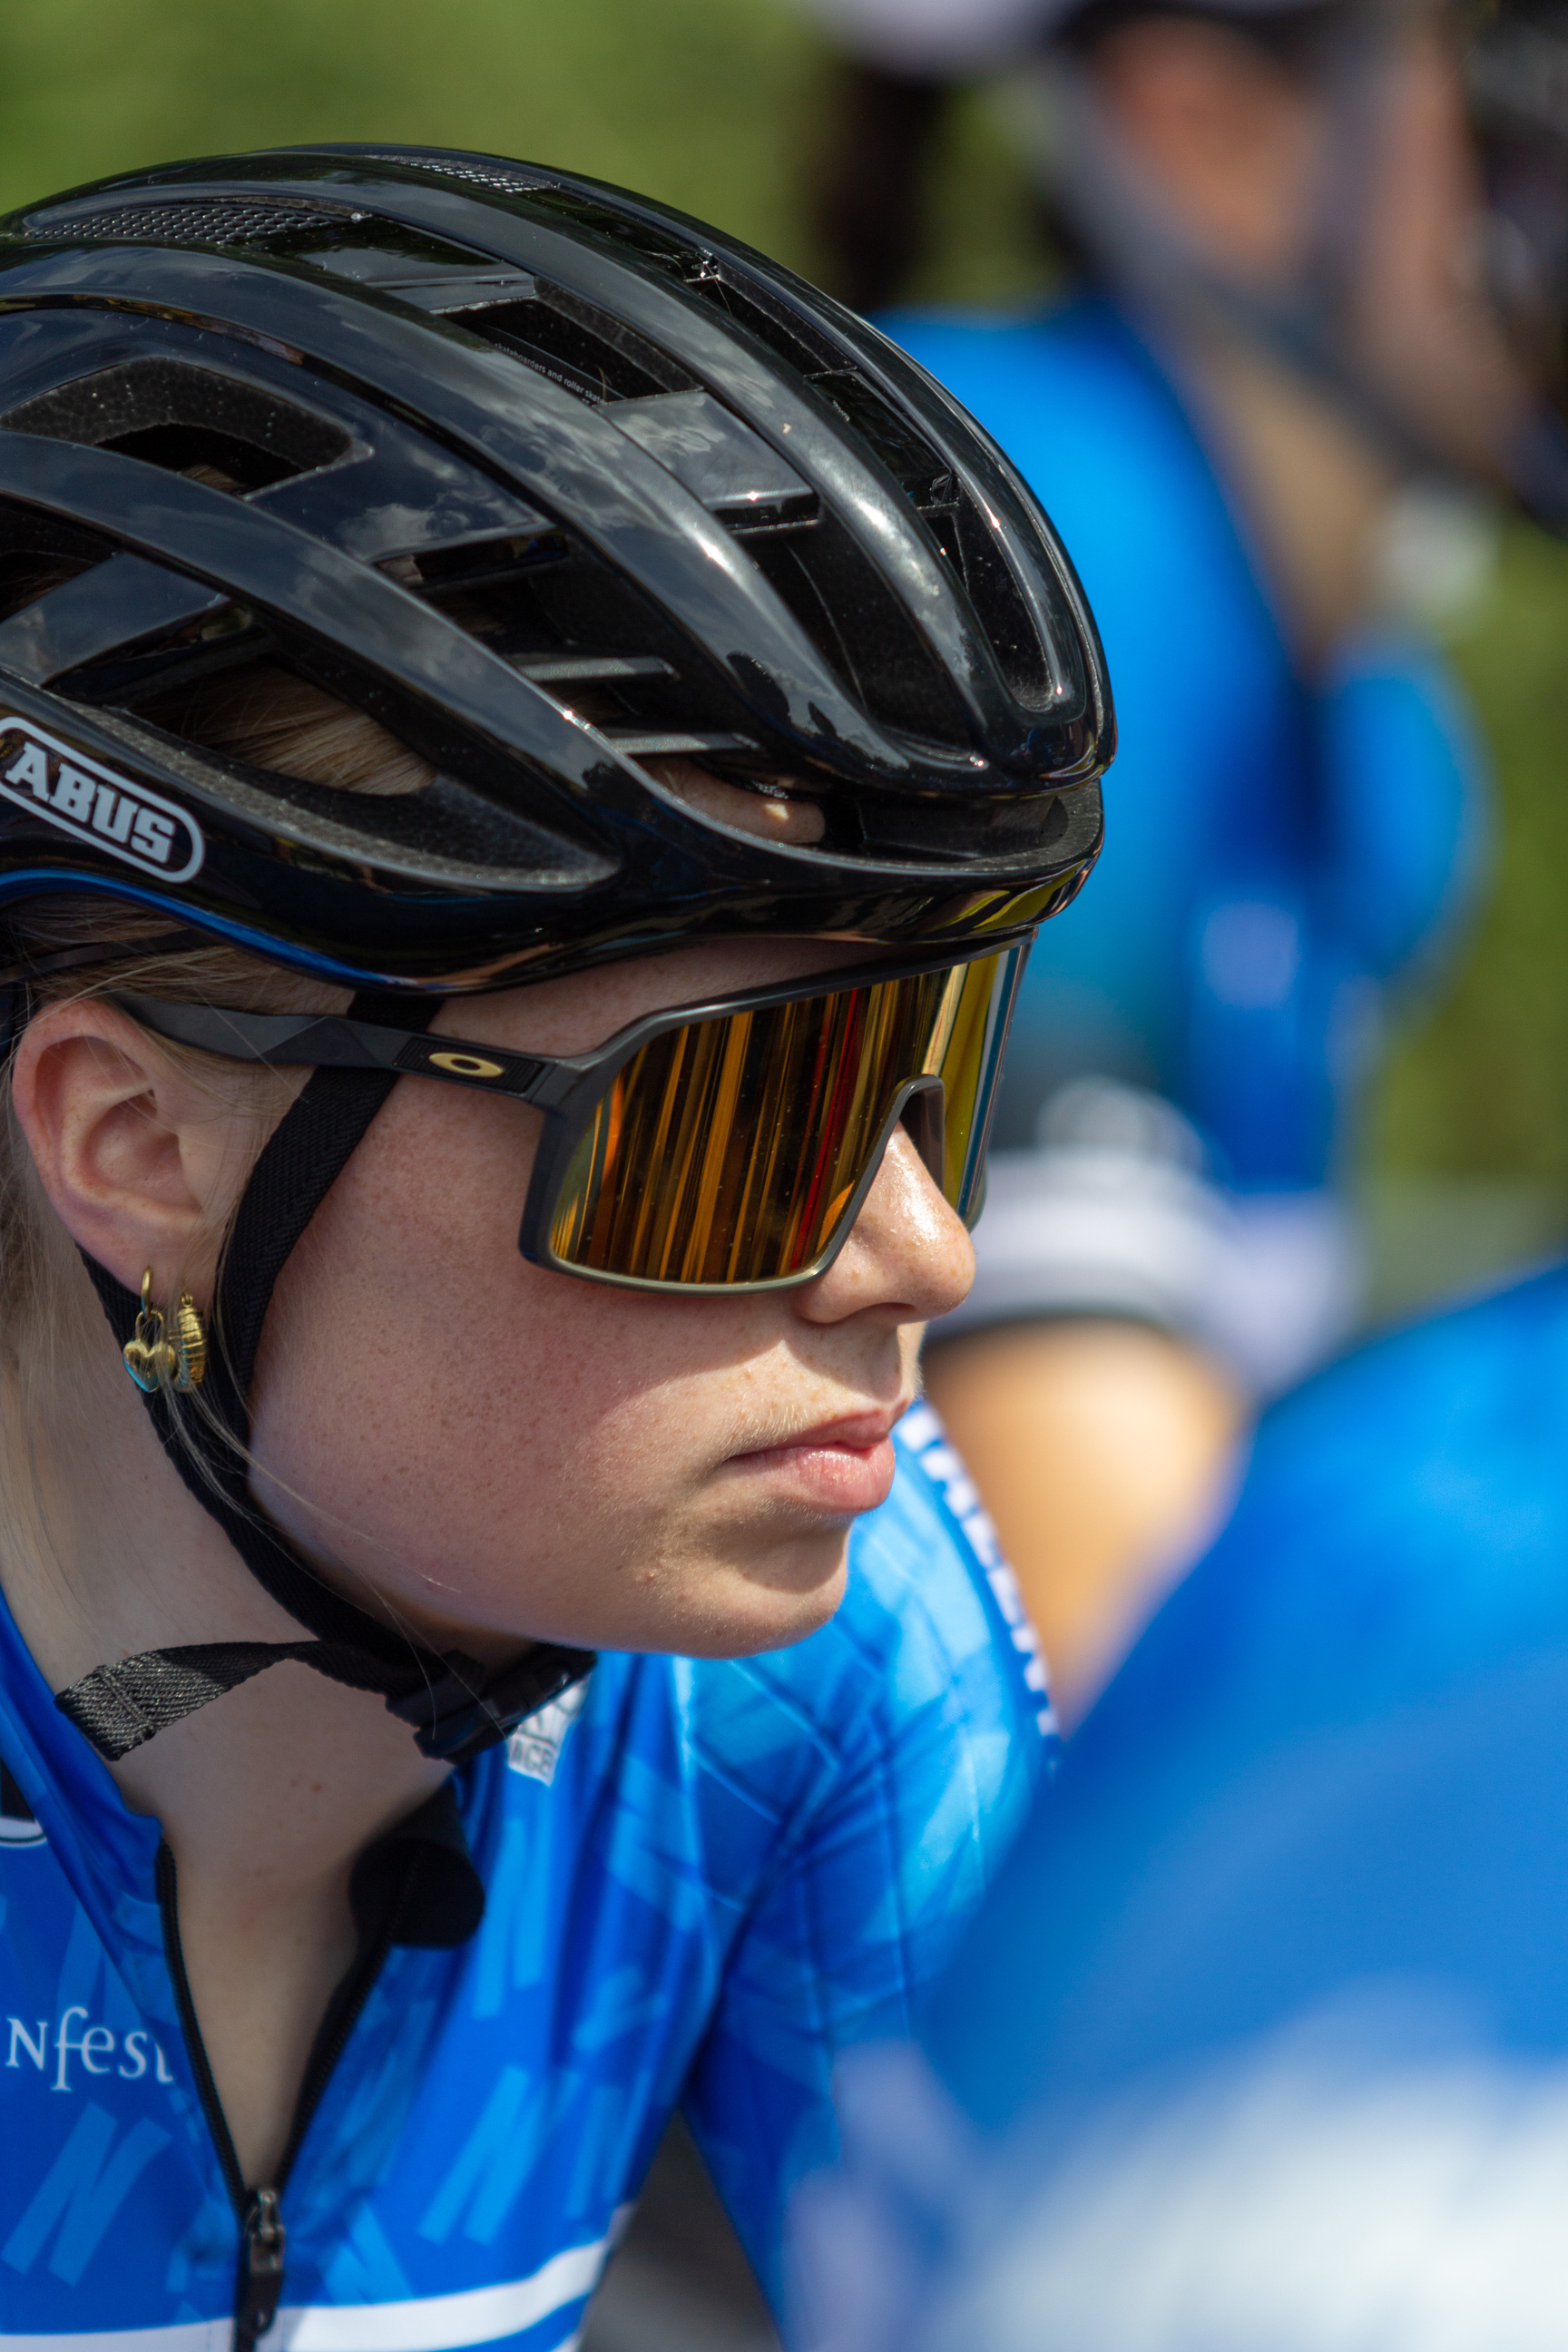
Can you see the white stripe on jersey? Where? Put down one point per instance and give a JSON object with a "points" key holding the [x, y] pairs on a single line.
{"points": [[435, 2323]]}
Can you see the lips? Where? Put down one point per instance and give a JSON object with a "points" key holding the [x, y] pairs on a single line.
{"points": [[842, 1467]]}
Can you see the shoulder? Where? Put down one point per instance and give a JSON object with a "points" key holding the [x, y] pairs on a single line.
{"points": [[1403, 1522], [1399, 1543], [1446, 1431]]}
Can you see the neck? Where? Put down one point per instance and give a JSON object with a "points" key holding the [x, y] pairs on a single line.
{"points": [[265, 1797], [105, 1554]]}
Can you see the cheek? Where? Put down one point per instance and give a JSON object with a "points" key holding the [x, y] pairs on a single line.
{"points": [[495, 1443], [411, 1350]]}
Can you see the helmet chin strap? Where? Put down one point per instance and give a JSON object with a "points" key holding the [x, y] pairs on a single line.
{"points": [[456, 1706]]}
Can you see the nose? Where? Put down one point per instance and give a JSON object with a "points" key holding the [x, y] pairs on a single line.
{"points": [[907, 1258]]}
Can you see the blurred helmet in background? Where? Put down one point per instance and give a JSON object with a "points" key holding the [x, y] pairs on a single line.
{"points": [[1371, 291]]}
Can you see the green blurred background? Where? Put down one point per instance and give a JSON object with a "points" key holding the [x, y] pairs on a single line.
{"points": [[715, 105]]}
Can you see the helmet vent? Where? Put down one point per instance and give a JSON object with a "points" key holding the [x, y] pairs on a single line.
{"points": [[266, 717], [577, 631], [408, 816], [858, 625], [666, 251], [475, 565], [882, 425], [787, 339], [920, 471], [186, 420], [503, 180], [966, 541], [547, 194], [925, 479], [575, 345], [28, 573], [196, 222]]}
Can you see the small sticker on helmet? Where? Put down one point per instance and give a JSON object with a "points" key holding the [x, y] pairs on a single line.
{"points": [[94, 806]]}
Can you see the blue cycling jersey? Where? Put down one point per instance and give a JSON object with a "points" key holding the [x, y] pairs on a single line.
{"points": [[704, 1879], [1269, 1993], [1401, 1536], [1276, 849]]}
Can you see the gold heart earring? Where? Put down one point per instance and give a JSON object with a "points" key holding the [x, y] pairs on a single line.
{"points": [[155, 1361]]}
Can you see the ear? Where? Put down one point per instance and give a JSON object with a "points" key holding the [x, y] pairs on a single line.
{"points": [[142, 1166]]}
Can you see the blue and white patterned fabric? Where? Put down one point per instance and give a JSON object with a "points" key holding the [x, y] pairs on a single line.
{"points": [[1262, 2037], [704, 1882]]}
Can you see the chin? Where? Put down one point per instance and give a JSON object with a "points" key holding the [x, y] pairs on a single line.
{"points": [[741, 1611], [725, 1599]]}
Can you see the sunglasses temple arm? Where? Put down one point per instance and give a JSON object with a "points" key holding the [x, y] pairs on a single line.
{"points": [[333, 1042]]}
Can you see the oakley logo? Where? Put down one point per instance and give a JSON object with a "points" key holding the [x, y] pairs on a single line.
{"points": [[94, 806], [467, 1065]]}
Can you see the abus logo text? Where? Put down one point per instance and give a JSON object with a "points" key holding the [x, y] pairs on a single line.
{"points": [[93, 804]]}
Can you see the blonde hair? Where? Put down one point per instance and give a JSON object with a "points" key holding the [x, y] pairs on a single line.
{"points": [[265, 717], [268, 717], [54, 1343]]}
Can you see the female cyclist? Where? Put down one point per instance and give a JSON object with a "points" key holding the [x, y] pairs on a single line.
{"points": [[511, 708]]}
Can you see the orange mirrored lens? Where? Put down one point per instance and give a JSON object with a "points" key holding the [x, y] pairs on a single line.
{"points": [[728, 1151]]}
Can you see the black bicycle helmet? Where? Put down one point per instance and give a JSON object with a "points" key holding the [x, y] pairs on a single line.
{"points": [[550, 482], [547, 479]]}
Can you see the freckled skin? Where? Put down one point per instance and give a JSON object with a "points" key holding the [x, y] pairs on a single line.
{"points": [[500, 1450]]}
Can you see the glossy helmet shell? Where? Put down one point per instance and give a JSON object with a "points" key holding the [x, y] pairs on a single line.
{"points": [[697, 508]]}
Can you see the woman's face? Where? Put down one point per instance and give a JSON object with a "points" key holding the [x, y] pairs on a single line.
{"points": [[501, 1451]]}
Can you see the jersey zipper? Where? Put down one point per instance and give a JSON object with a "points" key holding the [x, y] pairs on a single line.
{"points": [[263, 2241]]}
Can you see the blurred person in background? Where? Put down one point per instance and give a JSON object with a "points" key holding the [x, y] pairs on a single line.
{"points": [[1258, 416], [1262, 2038]]}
